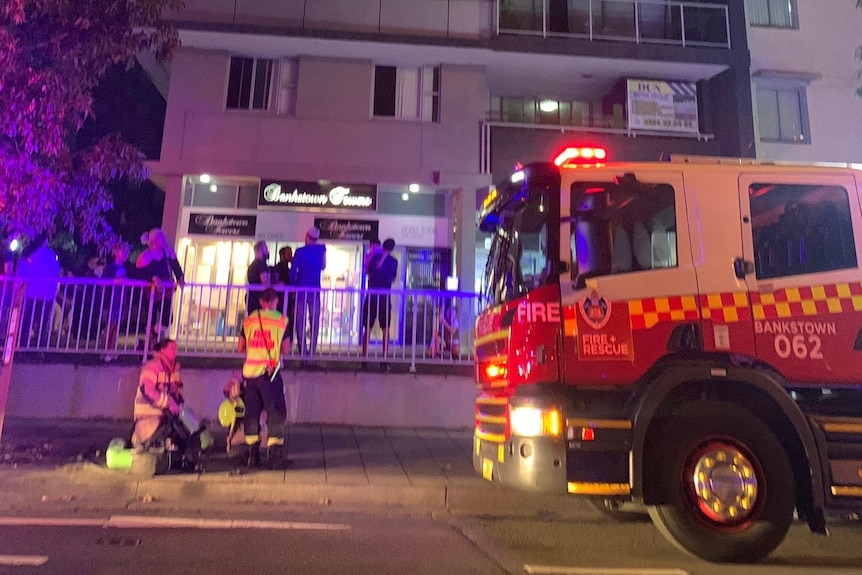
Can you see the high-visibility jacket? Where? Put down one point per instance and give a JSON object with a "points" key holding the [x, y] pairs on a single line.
{"points": [[157, 383], [264, 331]]}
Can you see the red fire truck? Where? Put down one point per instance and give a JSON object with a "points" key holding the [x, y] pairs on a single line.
{"points": [[685, 335]]}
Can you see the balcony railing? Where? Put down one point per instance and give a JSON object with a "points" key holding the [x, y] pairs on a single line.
{"points": [[461, 19], [641, 21], [108, 318]]}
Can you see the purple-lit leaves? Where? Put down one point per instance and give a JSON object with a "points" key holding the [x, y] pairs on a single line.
{"points": [[52, 54]]}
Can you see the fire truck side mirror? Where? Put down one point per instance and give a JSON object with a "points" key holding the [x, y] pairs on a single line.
{"points": [[742, 267]]}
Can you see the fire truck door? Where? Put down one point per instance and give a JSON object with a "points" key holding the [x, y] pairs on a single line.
{"points": [[800, 262], [631, 280]]}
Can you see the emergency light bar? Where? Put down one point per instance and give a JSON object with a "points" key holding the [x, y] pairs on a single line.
{"points": [[571, 157]]}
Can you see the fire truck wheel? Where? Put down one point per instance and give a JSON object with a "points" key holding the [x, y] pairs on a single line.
{"points": [[727, 491]]}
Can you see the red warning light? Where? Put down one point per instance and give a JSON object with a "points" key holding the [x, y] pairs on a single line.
{"points": [[571, 157]]}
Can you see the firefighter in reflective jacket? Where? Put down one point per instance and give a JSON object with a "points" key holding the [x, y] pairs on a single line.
{"points": [[159, 395], [263, 340]]}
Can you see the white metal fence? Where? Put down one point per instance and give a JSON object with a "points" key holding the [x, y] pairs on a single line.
{"points": [[113, 318]]}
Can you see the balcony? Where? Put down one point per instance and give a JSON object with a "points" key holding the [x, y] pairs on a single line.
{"points": [[656, 22], [642, 21], [458, 19]]}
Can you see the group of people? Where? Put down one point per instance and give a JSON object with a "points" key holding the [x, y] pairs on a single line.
{"points": [[302, 272], [46, 309], [158, 409]]}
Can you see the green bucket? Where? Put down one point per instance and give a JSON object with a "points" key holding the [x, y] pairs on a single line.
{"points": [[117, 455]]}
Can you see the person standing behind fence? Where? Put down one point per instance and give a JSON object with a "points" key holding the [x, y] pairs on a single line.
{"points": [[158, 264], [282, 277], [259, 273], [309, 261], [382, 270], [446, 337], [40, 269], [117, 298], [264, 340]]}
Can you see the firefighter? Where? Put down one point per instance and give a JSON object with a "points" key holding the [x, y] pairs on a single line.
{"points": [[158, 405], [263, 340]]}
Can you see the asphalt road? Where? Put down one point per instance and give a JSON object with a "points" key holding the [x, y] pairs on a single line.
{"points": [[374, 541], [273, 541], [599, 546]]}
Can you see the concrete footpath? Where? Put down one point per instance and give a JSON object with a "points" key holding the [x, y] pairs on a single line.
{"points": [[51, 463]]}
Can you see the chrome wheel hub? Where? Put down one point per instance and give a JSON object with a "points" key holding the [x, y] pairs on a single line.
{"points": [[725, 484]]}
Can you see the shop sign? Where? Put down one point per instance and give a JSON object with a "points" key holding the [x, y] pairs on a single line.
{"points": [[662, 106], [222, 225], [286, 194], [358, 230]]}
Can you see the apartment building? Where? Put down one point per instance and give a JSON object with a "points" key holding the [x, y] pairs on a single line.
{"points": [[391, 118], [804, 78]]}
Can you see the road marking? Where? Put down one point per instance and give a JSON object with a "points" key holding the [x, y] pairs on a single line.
{"points": [[23, 560], [49, 522], [554, 570], [143, 522]]}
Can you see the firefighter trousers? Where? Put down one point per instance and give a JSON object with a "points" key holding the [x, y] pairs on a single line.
{"points": [[261, 395]]}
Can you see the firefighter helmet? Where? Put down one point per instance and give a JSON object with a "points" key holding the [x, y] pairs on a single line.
{"points": [[230, 410]]}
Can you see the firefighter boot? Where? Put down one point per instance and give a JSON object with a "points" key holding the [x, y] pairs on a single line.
{"points": [[253, 456], [275, 456]]}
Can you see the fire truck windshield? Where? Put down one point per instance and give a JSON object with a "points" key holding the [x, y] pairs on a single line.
{"points": [[524, 252]]}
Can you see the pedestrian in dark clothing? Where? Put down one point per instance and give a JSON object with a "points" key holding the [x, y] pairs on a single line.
{"points": [[40, 269], [282, 277], [259, 273], [117, 298], [158, 264], [382, 269], [309, 261]]}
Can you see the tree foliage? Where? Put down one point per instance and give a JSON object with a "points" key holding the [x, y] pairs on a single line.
{"points": [[52, 55]]}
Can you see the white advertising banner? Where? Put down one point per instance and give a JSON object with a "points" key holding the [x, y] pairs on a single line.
{"points": [[662, 106]]}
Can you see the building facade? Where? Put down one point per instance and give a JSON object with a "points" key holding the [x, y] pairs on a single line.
{"points": [[804, 73], [393, 117]]}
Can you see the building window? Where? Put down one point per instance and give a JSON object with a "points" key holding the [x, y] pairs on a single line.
{"points": [[407, 93], [520, 110], [773, 13], [249, 83], [782, 114]]}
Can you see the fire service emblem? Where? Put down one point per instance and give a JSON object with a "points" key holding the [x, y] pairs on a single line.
{"points": [[595, 310]]}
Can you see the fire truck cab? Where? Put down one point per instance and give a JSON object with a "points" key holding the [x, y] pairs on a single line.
{"points": [[683, 334]]}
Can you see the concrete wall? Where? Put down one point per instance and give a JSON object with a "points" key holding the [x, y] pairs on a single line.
{"points": [[823, 49], [361, 398], [333, 134]]}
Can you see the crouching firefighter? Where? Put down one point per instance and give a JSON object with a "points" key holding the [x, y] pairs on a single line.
{"points": [[161, 420], [263, 340]]}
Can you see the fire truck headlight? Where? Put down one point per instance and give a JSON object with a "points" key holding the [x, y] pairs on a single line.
{"points": [[529, 421], [496, 371]]}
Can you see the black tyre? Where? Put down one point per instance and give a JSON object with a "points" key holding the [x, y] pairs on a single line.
{"points": [[726, 490]]}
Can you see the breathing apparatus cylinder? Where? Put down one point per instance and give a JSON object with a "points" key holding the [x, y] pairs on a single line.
{"points": [[117, 456], [189, 419]]}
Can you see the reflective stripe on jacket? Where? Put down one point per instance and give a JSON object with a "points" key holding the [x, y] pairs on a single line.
{"points": [[264, 330]]}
